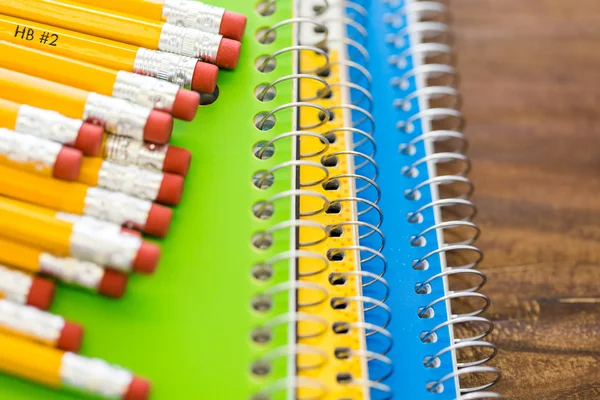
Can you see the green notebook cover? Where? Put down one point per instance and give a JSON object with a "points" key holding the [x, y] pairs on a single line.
{"points": [[188, 327]]}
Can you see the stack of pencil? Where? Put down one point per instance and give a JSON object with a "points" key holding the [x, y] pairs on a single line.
{"points": [[89, 91]]}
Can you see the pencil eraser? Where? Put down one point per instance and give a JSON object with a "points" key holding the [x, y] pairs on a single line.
{"points": [[233, 25], [147, 258], [139, 389], [131, 232], [159, 220], [205, 77], [159, 127], [41, 293], [177, 160], [113, 284], [89, 139], [228, 54], [171, 189], [70, 338], [68, 164], [186, 104]]}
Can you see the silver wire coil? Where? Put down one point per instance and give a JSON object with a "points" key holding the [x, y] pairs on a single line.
{"points": [[427, 21]]}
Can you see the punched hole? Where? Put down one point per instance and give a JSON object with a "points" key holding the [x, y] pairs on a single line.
{"points": [[319, 29], [263, 179], [418, 242], [265, 35], [265, 95], [265, 64], [435, 387], [422, 265], [337, 280], [263, 210], [263, 150], [429, 362], [340, 328], [319, 9], [325, 93], [338, 303], [334, 208], [333, 184], [425, 313], [422, 289], [336, 255], [330, 161], [335, 231], [262, 240], [262, 303], [262, 272], [207, 99], [264, 121], [414, 218], [329, 116], [408, 150], [412, 194], [431, 338], [266, 8], [331, 137], [261, 335], [261, 368], [410, 172], [324, 72], [342, 353], [344, 378]]}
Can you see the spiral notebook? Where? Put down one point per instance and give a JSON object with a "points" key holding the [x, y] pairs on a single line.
{"points": [[324, 245]]}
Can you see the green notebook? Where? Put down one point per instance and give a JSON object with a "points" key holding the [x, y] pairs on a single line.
{"points": [[188, 328]]}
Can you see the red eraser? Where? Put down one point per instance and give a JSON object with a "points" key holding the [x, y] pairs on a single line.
{"points": [[186, 104], [139, 389], [205, 77], [89, 139], [159, 127], [131, 232], [113, 284], [147, 258], [41, 293], [228, 54], [233, 25], [171, 189], [159, 220], [68, 164], [70, 338], [177, 160]]}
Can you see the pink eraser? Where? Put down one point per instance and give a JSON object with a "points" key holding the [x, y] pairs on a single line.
{"points": [[205, 77], [70, 338], [147, 258], [233, 25], [89, 139], [177, 160], [228, 54], [113, 284], [139, 389], [68, 164], [159, 220], [159, 127], [186, 104], [171, 189], [41, 293]]}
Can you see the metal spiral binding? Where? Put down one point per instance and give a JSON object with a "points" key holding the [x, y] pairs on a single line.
{"points": [[429, 19], [265, 300]]}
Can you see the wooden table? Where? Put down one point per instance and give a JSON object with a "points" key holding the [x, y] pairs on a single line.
{"points": [[531, 84]]}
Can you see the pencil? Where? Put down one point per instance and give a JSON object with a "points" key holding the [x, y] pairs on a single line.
{"points": [[79, 199], [52, 126], [114, 115], [21, 288], [82, 274], [57, 369], [39, 326], [192, 14], [142, 90], [79, 240], [181, 70], [143, 32]]}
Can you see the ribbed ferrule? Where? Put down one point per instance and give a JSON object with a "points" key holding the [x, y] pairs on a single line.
{"points": [[47, 124], [118, 208], [30, 322], [193, 14], [145, 91], [117, 116], [22, 148], [189, 42], [125, 151], [14, 285], [83, 274], [131, 180], [166, 66]]}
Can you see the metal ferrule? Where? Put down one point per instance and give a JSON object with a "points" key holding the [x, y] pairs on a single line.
{"points": [[118, 208], [189, 42], [124, 151], [131, 180], [27, 149], [117, 116], [83, 274], [145, 91], [14, 285], [94, 376], [47, 124], [104, 246], [165, 66], [31, 322], [193, 14]]}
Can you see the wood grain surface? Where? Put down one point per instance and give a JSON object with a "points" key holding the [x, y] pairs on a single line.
{"points": [[530, 77]]}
